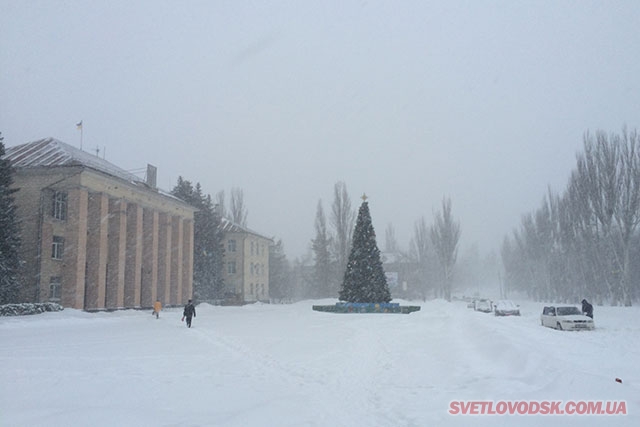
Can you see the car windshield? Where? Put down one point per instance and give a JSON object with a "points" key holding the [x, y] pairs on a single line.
{"points": [[507, 305], [566, 311]]}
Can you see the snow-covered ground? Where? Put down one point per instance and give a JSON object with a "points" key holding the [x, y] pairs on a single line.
{"points": [[286, 365]]}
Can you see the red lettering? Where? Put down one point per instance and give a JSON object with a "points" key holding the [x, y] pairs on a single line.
{"points": [[474, 408], [570, 407], [454, 408], [465, 407], [523, 408], [534, 408], [555, 409], [544, 408], [594, 407], [538, 407]]}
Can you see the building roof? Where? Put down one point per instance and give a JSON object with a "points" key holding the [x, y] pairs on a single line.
{"points": [[228, 226], [50, 152]]}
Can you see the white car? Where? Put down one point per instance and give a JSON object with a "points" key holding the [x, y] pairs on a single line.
{"points": [[567, 318], [483, 305], [506, 308]]}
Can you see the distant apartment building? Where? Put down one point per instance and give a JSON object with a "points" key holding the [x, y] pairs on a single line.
{"points": [[246, 260], [96, 237]]}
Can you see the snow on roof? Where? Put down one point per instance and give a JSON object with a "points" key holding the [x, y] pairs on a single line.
{"points": [[50, 152], [229, 226]]}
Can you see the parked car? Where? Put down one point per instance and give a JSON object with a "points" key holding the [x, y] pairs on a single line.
{"points": [[483, 305], [506, 308], [565, 318]]}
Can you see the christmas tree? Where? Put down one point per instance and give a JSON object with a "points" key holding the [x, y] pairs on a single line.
{"points": [[364, 278]]}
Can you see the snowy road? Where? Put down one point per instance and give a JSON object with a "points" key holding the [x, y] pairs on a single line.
{"points": [[285, 365]]}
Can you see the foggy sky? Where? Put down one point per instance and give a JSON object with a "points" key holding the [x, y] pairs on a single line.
{"points": [[484, 102]]}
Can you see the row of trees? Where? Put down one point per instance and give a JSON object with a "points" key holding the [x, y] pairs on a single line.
{"points": [[428, 265], [434, 252], [331, 244], [586, 241], [208, 262], [208, 243]]}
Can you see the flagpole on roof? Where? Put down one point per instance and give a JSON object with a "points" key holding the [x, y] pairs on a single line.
{"points": [[79, 127]]}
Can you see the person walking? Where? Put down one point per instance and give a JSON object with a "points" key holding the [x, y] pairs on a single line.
{"points": [[188, 313], [157, 306]]}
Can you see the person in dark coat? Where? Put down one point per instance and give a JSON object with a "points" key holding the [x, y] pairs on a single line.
{"points": [[189, 312], [587, 309]]}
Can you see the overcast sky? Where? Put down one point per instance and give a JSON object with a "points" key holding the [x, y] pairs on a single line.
{"points": [[485, 102]]}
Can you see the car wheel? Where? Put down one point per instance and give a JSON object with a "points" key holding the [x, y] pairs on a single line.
{"points": [[559, 326], [541, 323]]}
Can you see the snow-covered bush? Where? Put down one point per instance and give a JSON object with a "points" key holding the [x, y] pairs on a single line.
{"points": [[28, 308]]}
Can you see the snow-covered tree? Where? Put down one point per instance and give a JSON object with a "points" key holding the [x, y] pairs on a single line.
{"points": [[208, 248], [9, 234], [280, 283], [364, 278]]}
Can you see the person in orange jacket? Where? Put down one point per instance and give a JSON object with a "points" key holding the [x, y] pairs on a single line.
{"points": [[157, 306]]}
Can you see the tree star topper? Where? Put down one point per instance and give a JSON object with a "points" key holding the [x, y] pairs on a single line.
{"points": [[364, 197]]}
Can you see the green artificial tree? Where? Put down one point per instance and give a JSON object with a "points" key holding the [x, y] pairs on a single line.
{"points": [[364, 278]]}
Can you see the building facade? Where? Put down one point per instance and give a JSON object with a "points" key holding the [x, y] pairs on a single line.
{"points": [[96, 237], [246, 260]]}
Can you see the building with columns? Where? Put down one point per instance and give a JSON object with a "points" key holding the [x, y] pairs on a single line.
{"points": [[96, 237]]}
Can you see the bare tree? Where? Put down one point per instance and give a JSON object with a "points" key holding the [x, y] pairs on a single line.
{"points": [[390, 241], [421, 251], [343, 221], [221, 205], [445, 234], [584, 243], [627, 212], [323, 276], [238, 210]]}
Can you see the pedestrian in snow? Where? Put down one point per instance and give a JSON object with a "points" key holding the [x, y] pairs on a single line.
{"points": [[157, 306], [587, 309], [189, 312]]}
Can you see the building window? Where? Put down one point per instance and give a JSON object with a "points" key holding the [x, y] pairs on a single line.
{"points": [[251, 290], [60, 205], [252, 269], [231, 245], [231, 267], [251, 248], [54, 288], [57, 247]]}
